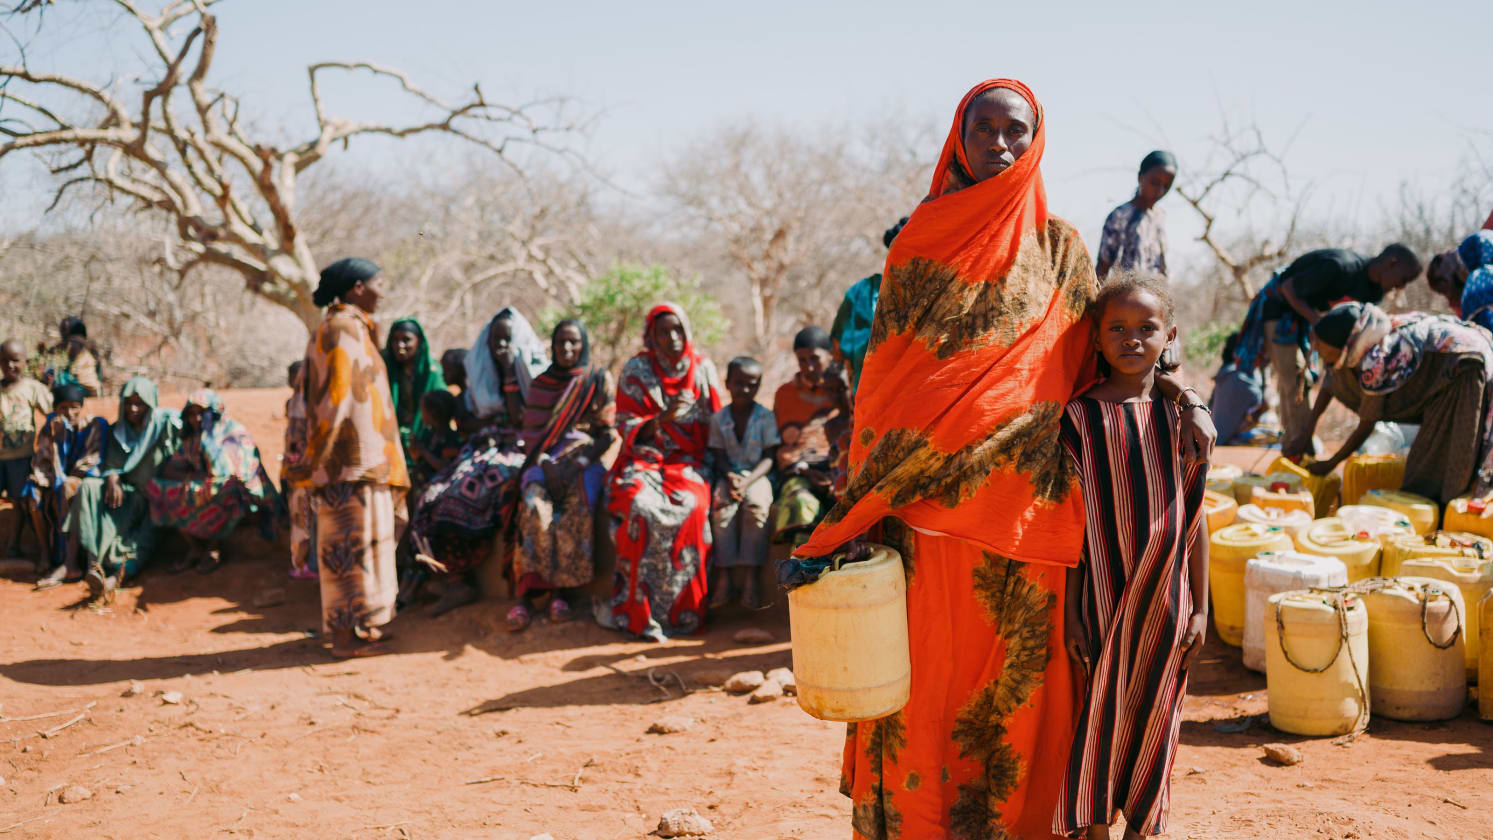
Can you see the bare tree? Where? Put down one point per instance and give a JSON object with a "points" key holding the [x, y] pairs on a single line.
{"points": [[1244, 170], [796, 218], [181, 152]]}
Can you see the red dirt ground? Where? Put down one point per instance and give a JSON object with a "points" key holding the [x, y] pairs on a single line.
{"points": [[272, 739]]}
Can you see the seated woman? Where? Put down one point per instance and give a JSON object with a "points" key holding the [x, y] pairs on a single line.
{"points": [[1429, 369], [568, 420], [464, 506], [1238, 399], [212, 481], [412, 374], [110, 516], [69, 447], [659, 490], [805, 406]]}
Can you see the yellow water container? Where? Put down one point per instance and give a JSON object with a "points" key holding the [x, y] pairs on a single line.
{"points": [[1244, 486], [1271, 573], [1317, 662], [1362, 473], [1324, 488], [850, 649], [1382, 523], [1284, 500], [1423, 513], [1221, 478], [1220, 509], [1435, 544], [1468, 516], [1290, 521], [1229, 551], [1485, 656], [1417, 648], [1331, 538], [1471, 575]]}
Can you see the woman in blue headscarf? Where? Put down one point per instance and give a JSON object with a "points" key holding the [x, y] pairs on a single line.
{"points": [[110, 515], [212, 481], [1472, 265]]}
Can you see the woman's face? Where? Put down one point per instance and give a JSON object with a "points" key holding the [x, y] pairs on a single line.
{"points": [[366, 294], [998, 129], [1329, 354], [812, 362], [668, 335], [191, 417], [134, 410], [500, 339], [1156, 182], [567, 346], [403, 344]]}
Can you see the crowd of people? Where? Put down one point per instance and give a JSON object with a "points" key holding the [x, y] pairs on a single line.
{"points": [[1005, 412]]}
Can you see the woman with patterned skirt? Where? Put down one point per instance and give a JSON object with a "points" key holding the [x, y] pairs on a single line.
{"points": [[977, 344]]}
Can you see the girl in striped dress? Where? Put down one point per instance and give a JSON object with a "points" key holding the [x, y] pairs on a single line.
{"points": [[1137, 604]]}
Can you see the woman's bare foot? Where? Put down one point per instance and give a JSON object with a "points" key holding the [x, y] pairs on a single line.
{"points": [[346, 644]]}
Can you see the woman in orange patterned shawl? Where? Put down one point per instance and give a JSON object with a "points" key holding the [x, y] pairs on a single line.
{"points": [[353, 462], [978, 343]]}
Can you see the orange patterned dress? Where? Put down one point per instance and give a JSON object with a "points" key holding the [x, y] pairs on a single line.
{"points": [[978, 343]]}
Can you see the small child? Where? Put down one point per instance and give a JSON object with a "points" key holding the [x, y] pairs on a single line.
{"points": [[21, 399], [1136, 607], [439, 442], [743, 441]]}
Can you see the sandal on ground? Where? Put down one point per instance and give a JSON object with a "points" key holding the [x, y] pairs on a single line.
{"points": [[210, 562], [361, 651], [304, 573], [519, 618], [560, 611], [54, 578], [99, 584]]}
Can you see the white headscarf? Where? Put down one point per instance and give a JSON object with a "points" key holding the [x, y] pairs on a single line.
{"points": [[484, 394]]}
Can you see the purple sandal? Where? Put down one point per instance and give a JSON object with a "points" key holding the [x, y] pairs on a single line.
{"points": [[560, 611], [519, 618]]}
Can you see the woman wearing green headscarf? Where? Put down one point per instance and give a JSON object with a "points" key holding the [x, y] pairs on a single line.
{"points": [[412, 372], [109, 517]]}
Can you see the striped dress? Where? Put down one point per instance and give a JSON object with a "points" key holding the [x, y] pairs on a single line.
{"points": [[1142, 506]]}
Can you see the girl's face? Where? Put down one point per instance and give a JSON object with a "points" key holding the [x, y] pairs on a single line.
{"points": [[812, 363], [70, 411], [567, 345], [500, 338], [1156, 182], [998, 129], [668, 335], [191, 417], [1133, 332], [134, 410], [403, 344]]}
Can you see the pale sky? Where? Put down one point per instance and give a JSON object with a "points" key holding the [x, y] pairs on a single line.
{"points": [[1374, 93]]}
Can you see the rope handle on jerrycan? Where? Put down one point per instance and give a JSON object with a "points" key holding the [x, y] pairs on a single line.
{"points": [[1376, 584], [1338, 597]]}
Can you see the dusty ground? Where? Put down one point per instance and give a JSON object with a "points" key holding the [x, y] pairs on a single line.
{"points": [[470, 732]]}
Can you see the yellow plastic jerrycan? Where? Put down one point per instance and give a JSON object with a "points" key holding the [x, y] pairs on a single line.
{"points": [[1424, 514], [1469, 516], [1221, 478], [1382, 523], [1244, 486], [1292, 522], [1485, 656], [1325, 489], [1330, 537], [1474, 577], [1362, 473], [1417, 648], [1271, 573], [1317, 662], [1220, 509], [1398, 549], [850, 652], [1284, 500], [1228, 552]]}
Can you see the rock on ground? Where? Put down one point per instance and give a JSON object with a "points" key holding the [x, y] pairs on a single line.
{"points": [[683, 822], [171, 698], [766, 693], [753, 636], [745, 681], [1283, 754], [671, 724], [74, 793], [711, 676], [784, 678], [136, 687]]}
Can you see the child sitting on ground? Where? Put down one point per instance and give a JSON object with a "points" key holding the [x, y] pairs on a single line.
{"points": [[1136, 606], [438, 442], [743, 440], [21, 399]]}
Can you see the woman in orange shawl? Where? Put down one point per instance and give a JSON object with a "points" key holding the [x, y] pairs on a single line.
{"points": [[978, 342]]}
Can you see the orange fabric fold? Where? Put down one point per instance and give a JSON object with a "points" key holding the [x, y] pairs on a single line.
{"points": [[978, 342]]}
